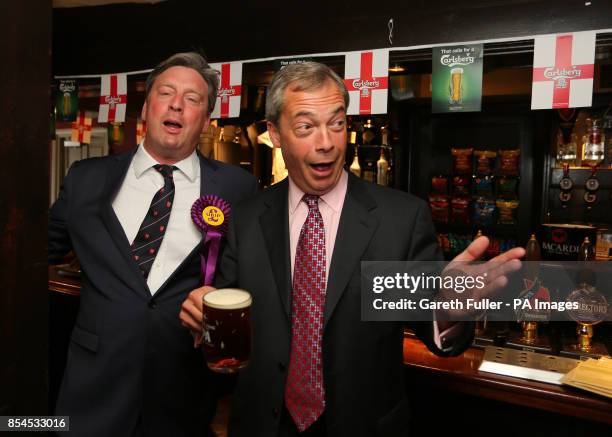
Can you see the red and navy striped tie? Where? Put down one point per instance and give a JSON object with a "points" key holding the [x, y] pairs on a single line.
{"points": [[151, 233]]}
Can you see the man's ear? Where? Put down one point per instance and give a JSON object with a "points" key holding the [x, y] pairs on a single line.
{"points": [[206, 124], [274, 134], [143, 113]]}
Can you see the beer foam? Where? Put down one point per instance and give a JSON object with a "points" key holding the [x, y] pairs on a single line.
{"points": [[228, 299]]}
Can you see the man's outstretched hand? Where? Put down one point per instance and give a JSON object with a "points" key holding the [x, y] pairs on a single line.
{"points": [[495, 270]]}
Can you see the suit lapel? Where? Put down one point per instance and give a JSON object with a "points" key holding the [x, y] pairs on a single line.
{"points": [[274, 224], [355, 231], [116, 174]]}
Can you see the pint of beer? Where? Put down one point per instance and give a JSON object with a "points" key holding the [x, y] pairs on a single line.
{"points": [[455, 86], [227, 329]]}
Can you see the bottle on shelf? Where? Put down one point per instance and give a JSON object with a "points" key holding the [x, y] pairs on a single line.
{"points": [[369, 135], [566, 152], [369, 171], [384, 134], [593, 151], [586, 251], [382, 169], [355, 168], [532, 253]]}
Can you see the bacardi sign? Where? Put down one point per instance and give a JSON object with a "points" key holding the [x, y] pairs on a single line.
{"points": [[560, 249], [561, 242]]}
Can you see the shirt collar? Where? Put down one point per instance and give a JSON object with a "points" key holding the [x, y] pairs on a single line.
{"points": [[333, 198], [143, 161]]}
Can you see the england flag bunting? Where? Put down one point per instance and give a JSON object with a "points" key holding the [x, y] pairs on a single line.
{"points": [[563, 70], [366, 76], [81, 129], [113, 98], [230, 90]]}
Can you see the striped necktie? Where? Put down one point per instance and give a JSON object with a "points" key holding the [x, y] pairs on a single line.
{"points": [[151, 233]]}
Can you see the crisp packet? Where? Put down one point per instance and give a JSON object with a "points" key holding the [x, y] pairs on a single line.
{"points": [[485, 161], [462, 160], [509, 162], [438, 204], [439, 184], [461, 185], [507, 212], [460, 210], [484, 211]]}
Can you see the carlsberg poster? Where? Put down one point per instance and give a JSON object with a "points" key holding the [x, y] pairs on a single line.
{"points": [[456, 80]]}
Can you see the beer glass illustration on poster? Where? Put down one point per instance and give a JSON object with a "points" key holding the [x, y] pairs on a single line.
{"points": [[456, 80]]}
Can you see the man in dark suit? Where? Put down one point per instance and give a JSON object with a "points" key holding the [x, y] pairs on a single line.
{"points": [[316, 368], [131, 368]]}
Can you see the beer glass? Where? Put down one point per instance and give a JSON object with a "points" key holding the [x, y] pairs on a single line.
{"points": [[227, 329], [455, 85]]}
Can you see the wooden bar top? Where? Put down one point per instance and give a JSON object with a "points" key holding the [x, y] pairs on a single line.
{"points": [[59, 283], [461, 374]]}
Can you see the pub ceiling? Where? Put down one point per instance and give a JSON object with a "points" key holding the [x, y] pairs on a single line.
{"points": [[135, 36]]}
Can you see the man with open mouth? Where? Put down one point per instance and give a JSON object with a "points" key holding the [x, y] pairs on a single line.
{"points": [[131, 368], [316, 368]]}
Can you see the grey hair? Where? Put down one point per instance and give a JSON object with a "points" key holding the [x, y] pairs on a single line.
{"points": [[190, 60], [300, 77]]}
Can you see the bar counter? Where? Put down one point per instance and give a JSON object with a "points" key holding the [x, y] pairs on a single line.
{"points": [[426, 374], [460, 374]]}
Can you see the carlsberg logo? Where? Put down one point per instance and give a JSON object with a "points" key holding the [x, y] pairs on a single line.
{"points": [[224, 92], [112, 100], [67, 87], [358, 83], [452, 60], [558, 73]]}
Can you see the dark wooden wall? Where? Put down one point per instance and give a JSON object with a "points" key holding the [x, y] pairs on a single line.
{"points": [[130, 37], [25, 44]]}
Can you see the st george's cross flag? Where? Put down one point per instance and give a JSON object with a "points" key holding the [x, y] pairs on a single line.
{"points": [[563, 71], [366, 76], [81, 129], [230, 90], [113, 98]]}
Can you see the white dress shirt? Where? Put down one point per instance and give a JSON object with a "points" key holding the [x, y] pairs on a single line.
{"points": [[134, 197]]}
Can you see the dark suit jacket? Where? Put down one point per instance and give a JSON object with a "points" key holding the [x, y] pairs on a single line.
{"points": [[129, 358], [362, 361]]}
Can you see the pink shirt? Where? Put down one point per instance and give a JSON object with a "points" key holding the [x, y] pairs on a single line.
{"points": [[330, 206]]}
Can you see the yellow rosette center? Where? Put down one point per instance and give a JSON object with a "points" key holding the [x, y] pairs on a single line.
{"points": [[213, 216]]}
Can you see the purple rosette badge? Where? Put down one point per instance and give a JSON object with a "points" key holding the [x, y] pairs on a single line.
{"points": [[211, 215]]}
